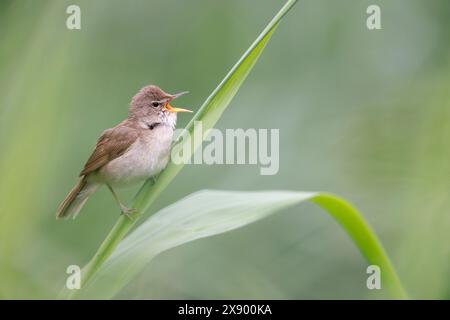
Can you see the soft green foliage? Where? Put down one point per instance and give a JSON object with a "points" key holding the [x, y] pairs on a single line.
{"points": [[207, 213], [362, 114]]}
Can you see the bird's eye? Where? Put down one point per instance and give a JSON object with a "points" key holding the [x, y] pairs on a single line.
{"points": [[155, 104]]}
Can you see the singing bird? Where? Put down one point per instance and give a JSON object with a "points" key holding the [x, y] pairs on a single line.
{"points": [[136, 149]]}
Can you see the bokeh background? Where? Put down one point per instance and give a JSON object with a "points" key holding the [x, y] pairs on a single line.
{"points": [[364, 114]]}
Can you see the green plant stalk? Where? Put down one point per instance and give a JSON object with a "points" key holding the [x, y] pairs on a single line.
{"points": [[209, 113]]}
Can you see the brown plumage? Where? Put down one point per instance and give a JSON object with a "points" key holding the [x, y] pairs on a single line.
{"points": [[73, 201], [111, 144], [134, 150]]}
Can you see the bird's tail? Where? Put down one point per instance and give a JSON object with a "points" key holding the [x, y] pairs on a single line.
{"points": [[75, 200]]}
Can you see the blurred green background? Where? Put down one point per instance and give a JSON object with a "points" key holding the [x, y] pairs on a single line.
{"points": [[364, 114]]}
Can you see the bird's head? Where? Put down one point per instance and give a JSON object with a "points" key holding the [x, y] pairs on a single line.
{"points": [[151, 102]]}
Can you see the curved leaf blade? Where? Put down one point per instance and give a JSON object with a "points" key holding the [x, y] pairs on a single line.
{"points": [[207, 213]]}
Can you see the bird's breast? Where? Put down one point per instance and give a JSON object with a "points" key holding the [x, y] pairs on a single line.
{"points": [[146, 157]]}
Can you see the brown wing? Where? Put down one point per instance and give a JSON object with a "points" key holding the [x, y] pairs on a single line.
{"points": [[111, 144]]}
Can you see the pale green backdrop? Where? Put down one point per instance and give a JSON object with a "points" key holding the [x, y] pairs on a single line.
{"points": [[364, 114]]}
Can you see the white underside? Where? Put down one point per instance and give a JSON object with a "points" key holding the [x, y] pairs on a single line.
{"points": [[144, 159]]}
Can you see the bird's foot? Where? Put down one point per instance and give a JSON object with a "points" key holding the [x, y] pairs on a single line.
{"points": [[130, 213]]}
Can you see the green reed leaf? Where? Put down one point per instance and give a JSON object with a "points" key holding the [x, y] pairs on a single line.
{"points": [[207, 213]]}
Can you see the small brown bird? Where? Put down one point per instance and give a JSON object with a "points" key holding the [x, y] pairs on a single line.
{"points": [[136, 149]]}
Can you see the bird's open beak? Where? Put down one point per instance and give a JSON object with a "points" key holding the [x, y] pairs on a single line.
{"points": [[169, 108]]}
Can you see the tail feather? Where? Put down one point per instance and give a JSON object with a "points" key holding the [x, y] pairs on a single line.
{"points": [[75, 200]]}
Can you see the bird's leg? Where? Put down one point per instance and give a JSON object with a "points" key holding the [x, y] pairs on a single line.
{"points": [[126, 211]]}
